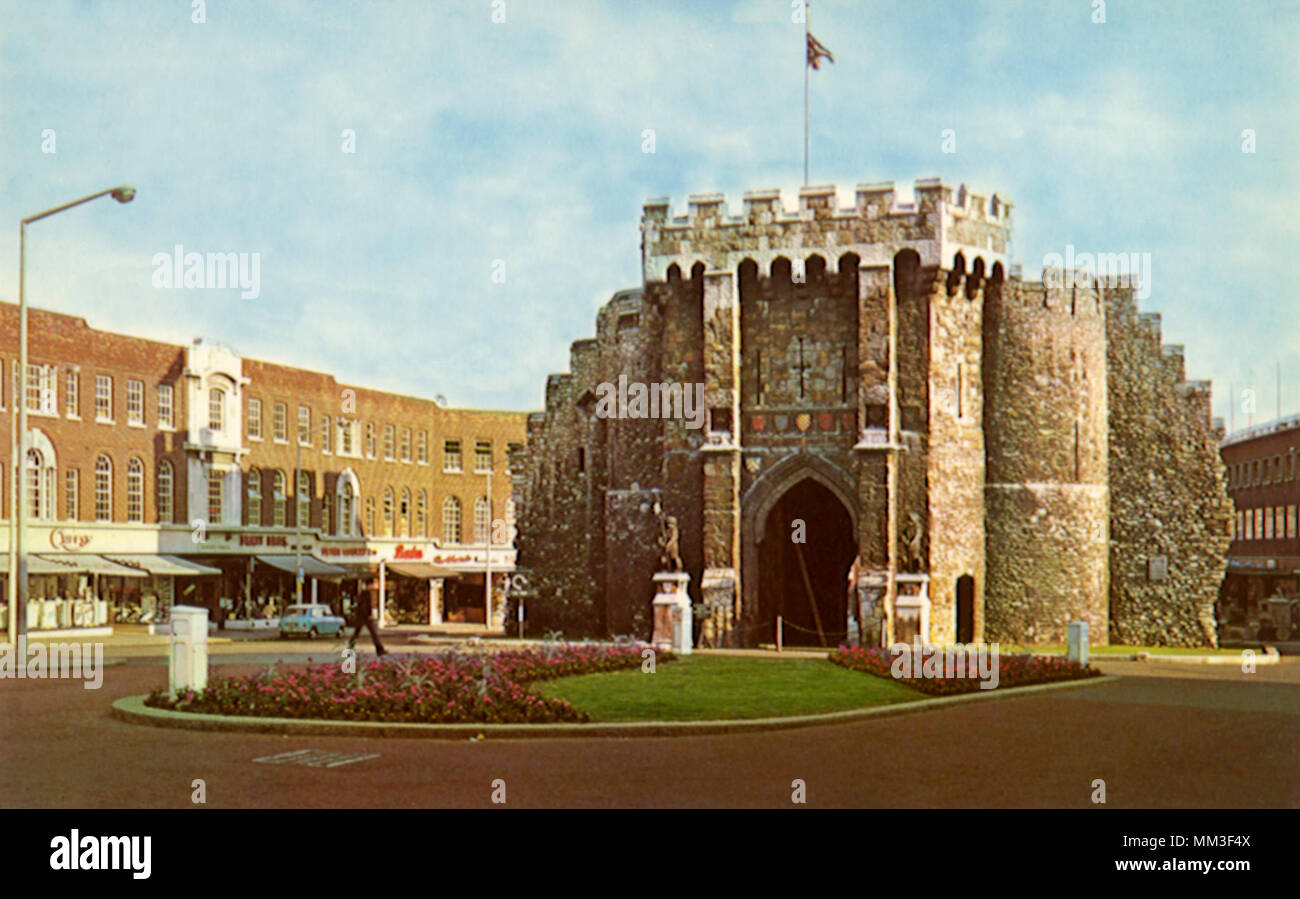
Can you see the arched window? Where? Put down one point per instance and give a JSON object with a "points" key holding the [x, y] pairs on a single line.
{"points": [[326, 509], [388, 511], [511, 516], [254, 497], [216, 409], [345, 509], [421, 504], [302, 502], [482, 520], [451, 520], [135, 489], [35, 462], [370, 516], [165, 487], [404, 512], [280, 487], [103, 489]]}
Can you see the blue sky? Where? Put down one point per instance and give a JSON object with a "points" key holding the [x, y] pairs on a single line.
{"points": [[522, 141]]}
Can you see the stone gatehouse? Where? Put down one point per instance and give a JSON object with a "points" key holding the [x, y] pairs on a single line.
{"points": [[901, 438]]}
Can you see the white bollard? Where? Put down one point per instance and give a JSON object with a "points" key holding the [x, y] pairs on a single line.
{"points": [[1076, 637], [187, 661]]}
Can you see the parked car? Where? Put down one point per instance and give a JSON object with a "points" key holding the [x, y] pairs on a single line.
{"points": [[312, 620]]}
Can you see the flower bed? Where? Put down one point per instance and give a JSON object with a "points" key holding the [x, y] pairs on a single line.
{"points": [[447, 688], [1013, 670]]}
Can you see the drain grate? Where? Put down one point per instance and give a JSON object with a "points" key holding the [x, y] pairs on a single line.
{"points": [[316, 758]]}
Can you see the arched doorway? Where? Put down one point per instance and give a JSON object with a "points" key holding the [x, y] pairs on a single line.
{"points": [[803, 562], [965, 609]]}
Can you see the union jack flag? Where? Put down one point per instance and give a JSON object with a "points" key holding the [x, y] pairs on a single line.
{"points": [[817, 51]]}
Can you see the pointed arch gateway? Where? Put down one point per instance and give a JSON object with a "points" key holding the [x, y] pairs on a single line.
{"points": [[799, 540]]}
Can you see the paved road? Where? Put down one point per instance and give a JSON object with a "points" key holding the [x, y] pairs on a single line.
{"points": [[1165, 736]]}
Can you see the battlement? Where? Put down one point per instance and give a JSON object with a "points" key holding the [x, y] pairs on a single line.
{"points": [[937, 222], [871, 200], [1188, 389], [1029, 297]]}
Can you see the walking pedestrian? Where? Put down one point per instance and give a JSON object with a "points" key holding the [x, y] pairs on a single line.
{"points": [[362, 618]]}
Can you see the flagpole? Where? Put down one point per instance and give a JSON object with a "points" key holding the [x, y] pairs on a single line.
{"points": [[806, 31]]}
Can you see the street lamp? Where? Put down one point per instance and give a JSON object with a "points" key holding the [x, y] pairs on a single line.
{"points": [[487, 559], [18, 432]]}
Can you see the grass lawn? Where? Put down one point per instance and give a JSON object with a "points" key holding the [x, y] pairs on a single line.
{"points": [[699, 687], [1117, 649]]}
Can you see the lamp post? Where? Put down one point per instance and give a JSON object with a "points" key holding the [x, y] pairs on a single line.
{"points": [[487, 576], [18, 433]]}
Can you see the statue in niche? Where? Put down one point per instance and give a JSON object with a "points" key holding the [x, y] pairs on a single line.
{"points": [[670, 558], [912, 545]]}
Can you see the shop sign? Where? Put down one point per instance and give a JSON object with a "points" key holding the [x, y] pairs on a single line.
{"points": [[68, 541], [405, 552], [344, 551], [259, 540], [453, 560]]}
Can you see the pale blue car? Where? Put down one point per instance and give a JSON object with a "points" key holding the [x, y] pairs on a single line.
{"points": [[312, 620]]}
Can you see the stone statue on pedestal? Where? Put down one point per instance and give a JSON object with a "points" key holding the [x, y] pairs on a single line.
{"points": [[670, 558]]}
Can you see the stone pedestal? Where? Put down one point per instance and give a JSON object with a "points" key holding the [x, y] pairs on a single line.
{"points": [[912, 608], [718, 591], [673, 620], [871, 607]]}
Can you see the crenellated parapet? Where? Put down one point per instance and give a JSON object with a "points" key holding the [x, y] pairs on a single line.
{"points": [[937, 223]]}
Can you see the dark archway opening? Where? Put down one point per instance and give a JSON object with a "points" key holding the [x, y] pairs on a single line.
{"points": [[806, 583], [965, 609]]}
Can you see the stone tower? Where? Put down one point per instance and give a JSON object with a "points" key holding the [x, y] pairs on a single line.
{"points": [[898, 437], [1046, 490]]}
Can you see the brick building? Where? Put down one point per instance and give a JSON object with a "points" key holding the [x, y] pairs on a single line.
{"points": [[161, 471], [1263, 464], [902, 437]]}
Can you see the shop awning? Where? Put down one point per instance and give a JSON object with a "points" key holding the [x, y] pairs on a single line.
{"points": [[358, 569], [156, 564], [37, 565], [311, 567], [421, 570], [89, 564]]}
